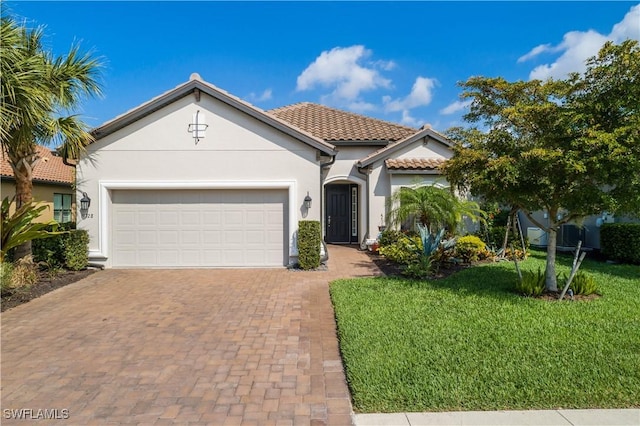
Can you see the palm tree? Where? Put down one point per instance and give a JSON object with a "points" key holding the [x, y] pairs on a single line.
{"points": [[433, 210], [38, 91]]}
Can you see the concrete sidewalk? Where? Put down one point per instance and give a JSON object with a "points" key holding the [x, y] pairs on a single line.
{"points": [[621, 417]]}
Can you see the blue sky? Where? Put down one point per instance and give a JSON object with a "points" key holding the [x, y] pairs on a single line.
{"points": [[398, 61]]}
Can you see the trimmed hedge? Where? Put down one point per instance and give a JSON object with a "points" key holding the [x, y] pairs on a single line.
{"points": [[309, 239], [69, 250], [621, 242]]}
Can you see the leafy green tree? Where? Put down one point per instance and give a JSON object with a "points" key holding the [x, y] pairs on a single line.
{"points": [[432, 209], [570, 147], [38, 91]]}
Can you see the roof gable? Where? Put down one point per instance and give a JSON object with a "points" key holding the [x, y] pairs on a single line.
{"points": [[335, 126], [384, 153], [50, 168], [196, 86]]}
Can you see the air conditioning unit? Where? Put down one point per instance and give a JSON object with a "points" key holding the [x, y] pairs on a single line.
{"points": [[569, 235], [537, 237]]}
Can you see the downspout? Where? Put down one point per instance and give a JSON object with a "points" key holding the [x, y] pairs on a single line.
{"points": [[324, 166], [366, 172]]}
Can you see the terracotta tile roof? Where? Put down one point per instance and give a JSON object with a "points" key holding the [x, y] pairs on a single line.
{"points": [[50, 168], [414, 163], [335, 125]]}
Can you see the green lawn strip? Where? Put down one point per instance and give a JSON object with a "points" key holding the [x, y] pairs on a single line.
{"points": [[469, 343]]}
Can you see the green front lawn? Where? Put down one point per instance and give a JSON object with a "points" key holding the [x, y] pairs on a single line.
{"points": [[469, 343]]}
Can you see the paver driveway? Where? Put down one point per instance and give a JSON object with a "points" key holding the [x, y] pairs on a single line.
{"points": [[216, 347]]}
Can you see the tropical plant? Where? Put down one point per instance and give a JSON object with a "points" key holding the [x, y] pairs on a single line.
{"points": [[19, 227], [470, 248], [433, 210], [570, 147], [583, 284], [404, 250], [38, 91], [531, 284]]}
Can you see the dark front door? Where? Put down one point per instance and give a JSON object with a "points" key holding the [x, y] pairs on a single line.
{"points": [[338, 214]]}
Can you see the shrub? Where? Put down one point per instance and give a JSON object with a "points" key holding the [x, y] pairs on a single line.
{"points": [[532, 283], [470, 249], [404, 251], [6, 273], [583, 284], [69, 249], [76, 254], [621, 242], [389, 236], [309, 239], [49, 251], [420, 269]]}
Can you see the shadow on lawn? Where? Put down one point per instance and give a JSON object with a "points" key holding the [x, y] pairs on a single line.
{"points": [[595, 265], [490, 280]]}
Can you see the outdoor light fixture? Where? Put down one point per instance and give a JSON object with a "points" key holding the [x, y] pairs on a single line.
{"points": [[85, 202], [307, 201]]}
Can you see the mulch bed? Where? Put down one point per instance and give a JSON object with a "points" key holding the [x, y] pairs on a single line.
{"points": [[45, 284], [390, 268]]}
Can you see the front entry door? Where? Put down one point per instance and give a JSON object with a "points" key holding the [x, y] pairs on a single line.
{"points": [[338, 213]]}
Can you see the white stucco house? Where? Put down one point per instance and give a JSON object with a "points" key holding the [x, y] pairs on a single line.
{"points": [[197, 177]]}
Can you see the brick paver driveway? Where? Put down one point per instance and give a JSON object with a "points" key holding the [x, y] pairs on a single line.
{"points": [[216, 347]]}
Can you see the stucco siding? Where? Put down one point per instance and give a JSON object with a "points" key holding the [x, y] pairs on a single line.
{"points": [[420, 149], [42, 193], [158, 152]]}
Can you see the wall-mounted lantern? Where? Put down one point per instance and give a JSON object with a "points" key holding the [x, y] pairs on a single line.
{"points": [[307, 201], [85, 202]]}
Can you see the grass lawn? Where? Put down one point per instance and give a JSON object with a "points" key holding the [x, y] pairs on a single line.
{"points": [[469, 343]]}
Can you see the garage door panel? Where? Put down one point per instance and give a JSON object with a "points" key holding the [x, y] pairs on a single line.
{"points": [[233, 217], [125, 217], [167, 218], [190, 238], [212, 237], [190, 217], [255, 237], [147, 218], [213, 218], [148, 257], [147, 237], [199, 228]]}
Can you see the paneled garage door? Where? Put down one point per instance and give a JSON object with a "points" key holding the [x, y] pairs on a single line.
{"points": [[199, 228]]}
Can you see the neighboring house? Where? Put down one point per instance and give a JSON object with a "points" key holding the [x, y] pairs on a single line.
{"points": [[588, 231], [199, 178], [52, 184]]}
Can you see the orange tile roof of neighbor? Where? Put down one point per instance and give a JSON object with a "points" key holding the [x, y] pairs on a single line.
{"points": [[335, 125], [414, 163], [50, 168]]}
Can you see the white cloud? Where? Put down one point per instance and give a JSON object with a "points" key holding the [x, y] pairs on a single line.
{"points": [[421, 95], [384, 65], [629, 27], [535, 52], [361, 106], [578, 46], [454, 107], [264, 96], [408, 120], [344, 70]]}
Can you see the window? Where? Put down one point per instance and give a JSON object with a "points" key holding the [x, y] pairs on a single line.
{"points": [[354, 211], [62, 207]]}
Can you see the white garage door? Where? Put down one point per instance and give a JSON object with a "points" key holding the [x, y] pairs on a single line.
{"points": [[199, 228]]}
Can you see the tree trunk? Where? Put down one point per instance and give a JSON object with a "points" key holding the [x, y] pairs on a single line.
{"points": [[551, 283], [24, 194]]}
